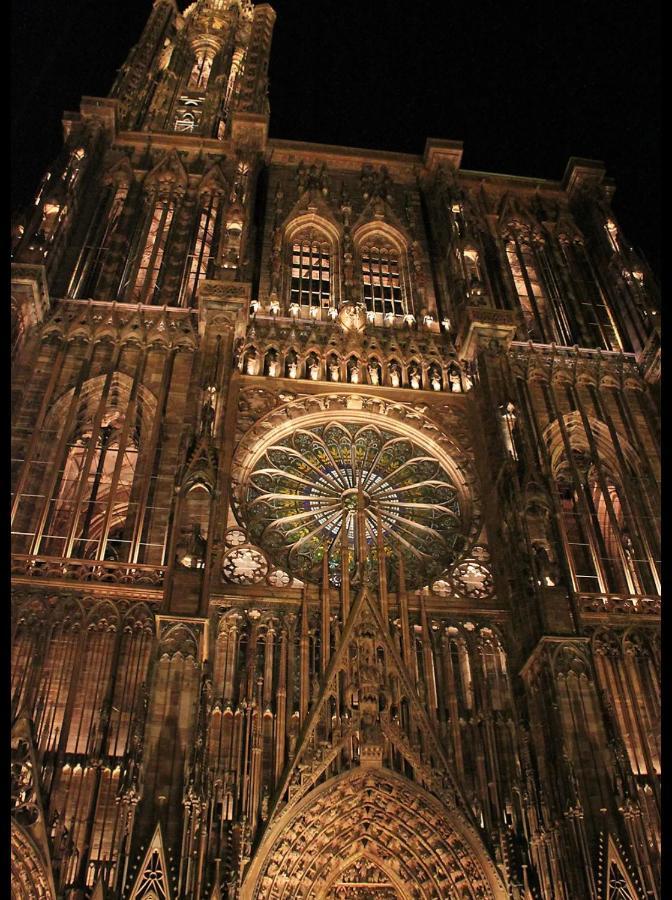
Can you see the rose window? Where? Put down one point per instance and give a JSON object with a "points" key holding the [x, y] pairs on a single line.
{"points": [[315, 489], [244, 565]]}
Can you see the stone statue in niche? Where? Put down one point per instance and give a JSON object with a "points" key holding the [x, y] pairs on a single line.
{"points": [[395, 375], [251, 363], [414, 376], [273, 364], [208, 415], [374, 373], [334, 371], [548, 572], [190, 551], [313, 369], [455, 380]]}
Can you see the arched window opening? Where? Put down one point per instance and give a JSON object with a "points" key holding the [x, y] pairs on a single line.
{"points": [[200, 72], [559, 323], [236, 63], [593, 306], [86, 501], [151, 258], [73, 171], [611, 229], [94, 491], [232, 238], [311, 272], [240, 185], [381, 280], [92, 260], [52, 213], [472, 273], [608, 549], [458, 219], [198, 260], [531, 295]]}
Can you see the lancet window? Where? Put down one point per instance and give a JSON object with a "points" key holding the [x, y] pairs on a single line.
{"points": [[610, 541], [151, 257], [381, 279], [593, 307], [72, 173], [94, 490], [200, 73], [78, 499], [472, 270], [530, 291], [311, 271], [52, 214], [106, 221], [202, 250]]}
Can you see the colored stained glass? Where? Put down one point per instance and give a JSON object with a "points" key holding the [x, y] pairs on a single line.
{"points": [[309, 493]]}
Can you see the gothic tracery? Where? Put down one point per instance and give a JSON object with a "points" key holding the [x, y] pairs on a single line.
{"points": [[336, 561]]}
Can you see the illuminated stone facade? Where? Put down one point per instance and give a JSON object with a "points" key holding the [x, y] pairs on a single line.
{"points": [[335, 512]]}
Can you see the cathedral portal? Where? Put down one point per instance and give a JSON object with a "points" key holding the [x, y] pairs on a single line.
{"points": [[371, 833]]}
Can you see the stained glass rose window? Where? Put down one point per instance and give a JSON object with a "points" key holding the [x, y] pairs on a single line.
{"points": [[307, 494]]}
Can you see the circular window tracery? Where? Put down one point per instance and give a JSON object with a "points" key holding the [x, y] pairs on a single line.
{"points": [[310, 490]]}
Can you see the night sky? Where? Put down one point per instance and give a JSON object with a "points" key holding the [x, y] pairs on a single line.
{"points": [[523, 84]]}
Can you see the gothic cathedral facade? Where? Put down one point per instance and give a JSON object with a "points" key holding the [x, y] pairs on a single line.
{"points": [[335, 510]]}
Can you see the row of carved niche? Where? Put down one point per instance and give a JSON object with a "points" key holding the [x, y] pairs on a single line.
{"points": [[548, 373], [355, 369], [239, 619], [74, 613]]}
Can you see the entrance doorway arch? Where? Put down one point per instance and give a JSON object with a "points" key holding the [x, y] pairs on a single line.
{"points": [[377, 824]]}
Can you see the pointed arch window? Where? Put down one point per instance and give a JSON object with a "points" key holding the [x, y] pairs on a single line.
{"points": [[52, 215], [200, 72], [472, 272], [529, 288], [593, 307], [80, 503], [90, 504], [94, 254], [74, 169], [152, 254], [311, 264], [381, 279], [202, 249], [610, 544]]}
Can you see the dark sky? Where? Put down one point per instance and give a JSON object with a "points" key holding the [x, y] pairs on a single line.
{"points": [[523, 83]]}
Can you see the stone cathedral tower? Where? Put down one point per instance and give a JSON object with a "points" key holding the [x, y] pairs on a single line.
{"points": [[335, 510]]}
